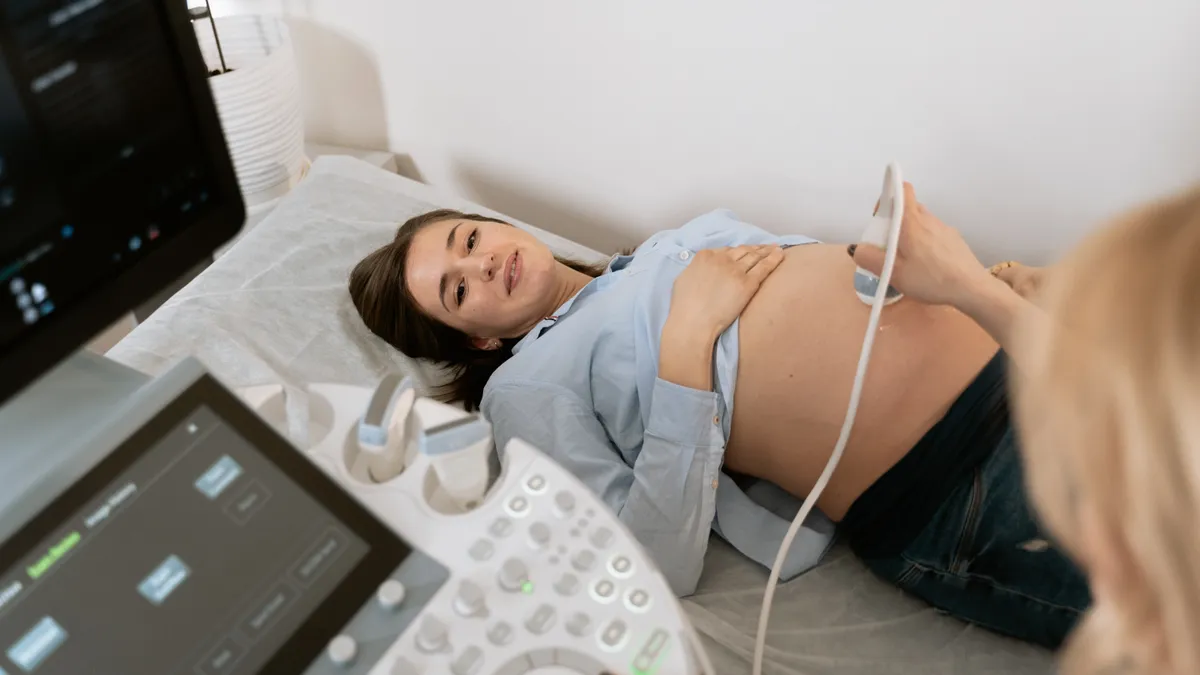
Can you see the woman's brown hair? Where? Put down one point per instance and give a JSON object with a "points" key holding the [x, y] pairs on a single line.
{"points": [[389, 310]]}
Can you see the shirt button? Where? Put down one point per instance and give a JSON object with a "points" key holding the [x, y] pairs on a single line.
{"points": [[684, 255], [717, 420], [714, 483]]}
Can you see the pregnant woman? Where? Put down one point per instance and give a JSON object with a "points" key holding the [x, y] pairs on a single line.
{"points": [[700, 384]]}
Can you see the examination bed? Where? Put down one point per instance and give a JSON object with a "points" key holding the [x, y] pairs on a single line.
{"points": [[275, 309]]}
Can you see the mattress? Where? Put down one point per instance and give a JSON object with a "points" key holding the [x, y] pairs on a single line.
{"points": [[275, 309]]}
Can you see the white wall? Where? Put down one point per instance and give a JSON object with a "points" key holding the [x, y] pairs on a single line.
{"points": [[1022, 122]]}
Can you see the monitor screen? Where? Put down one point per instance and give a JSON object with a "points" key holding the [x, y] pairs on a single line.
{"points": [[203, 545], [114, 176]]}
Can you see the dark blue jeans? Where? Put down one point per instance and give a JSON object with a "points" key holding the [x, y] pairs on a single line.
{"points": [[983, 558]]}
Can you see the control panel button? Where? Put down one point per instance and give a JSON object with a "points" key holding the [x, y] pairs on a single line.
{"points": [[567, 585], [564, 503], [578, 624], [614, 636], [583, 560], [433, 636], [514, 574], [535, 484], [390, 594], [650, 652], [500, 634], [518, 506], [603, 591], [501, 527], [542, 620], [469, 662], [620, 566], [342, 650], [470, 600], [637, 600], [482, 550], [539, 535], [601, 537]]}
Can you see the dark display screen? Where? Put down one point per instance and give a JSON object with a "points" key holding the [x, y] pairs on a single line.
{"points": [[102, 156], [200, 555]]}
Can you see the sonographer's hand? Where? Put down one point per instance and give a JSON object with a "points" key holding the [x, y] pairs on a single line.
{"points": [[933, 263], [707, 298]]}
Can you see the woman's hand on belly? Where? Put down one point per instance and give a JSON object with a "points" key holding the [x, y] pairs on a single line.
{"points": [[707, 298], [800, 338]]}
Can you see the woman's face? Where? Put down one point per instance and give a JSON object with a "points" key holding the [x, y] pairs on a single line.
{"points": [[486, 279]]}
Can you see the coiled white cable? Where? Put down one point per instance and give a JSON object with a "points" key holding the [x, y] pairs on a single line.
{"points": [[893, 180]]}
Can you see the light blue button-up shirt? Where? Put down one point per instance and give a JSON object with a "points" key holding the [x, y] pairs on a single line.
{"points": [[583, 387]]}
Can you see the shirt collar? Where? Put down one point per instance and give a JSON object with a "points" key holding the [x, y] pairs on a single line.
{"points": [[616, 264]]}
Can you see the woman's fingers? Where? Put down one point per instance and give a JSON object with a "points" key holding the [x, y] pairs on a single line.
{"points": [[765, 265], [749, 258], [741, 252]]}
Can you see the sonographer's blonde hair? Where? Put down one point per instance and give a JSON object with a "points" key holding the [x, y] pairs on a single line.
{"points": [[1109, 408]]}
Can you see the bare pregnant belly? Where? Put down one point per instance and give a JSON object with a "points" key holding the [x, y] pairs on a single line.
{"points": [[800, 339]]}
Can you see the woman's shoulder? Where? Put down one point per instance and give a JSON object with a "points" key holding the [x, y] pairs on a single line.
{"points": [[534, 372], [514, 392]]}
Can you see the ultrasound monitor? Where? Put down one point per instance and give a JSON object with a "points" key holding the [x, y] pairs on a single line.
{"points": [[114, 174]]}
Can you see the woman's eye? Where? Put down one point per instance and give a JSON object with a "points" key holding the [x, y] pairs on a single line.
{"points": [[460, 293], [471, 240]]}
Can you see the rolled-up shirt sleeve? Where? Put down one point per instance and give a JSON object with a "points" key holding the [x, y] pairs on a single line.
{"points": [[667, 499]]}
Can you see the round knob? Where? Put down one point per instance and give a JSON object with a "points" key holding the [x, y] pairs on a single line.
{"points": [[567, 585], [390, 594], [583, 560], [469, 600], [539, 535], [342, 650], [564, 503], [513, 575], [433, 636]]}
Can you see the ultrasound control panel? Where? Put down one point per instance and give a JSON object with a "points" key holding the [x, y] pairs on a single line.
{"points": [[195, 540]]}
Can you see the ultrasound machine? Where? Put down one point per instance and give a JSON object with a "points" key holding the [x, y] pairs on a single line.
{"points": [[162, 527]]}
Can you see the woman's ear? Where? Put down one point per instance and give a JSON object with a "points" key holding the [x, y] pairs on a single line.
{"points": [[486, 344]]}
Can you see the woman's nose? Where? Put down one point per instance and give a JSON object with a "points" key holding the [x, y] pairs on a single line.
{"points": [[487, 266]]}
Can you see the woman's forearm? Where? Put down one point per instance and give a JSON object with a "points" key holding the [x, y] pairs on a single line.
{"points": [[686, 355], [1001, 311]]}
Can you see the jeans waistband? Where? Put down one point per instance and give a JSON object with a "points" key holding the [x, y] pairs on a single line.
{"points": [[886, 518]]}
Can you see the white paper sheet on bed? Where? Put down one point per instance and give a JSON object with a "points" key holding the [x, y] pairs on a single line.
{"points": [[275, 310]]}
